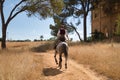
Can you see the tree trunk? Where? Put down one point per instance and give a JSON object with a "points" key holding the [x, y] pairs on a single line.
{"points": [[85, 29], [77, 33], [3, 44]]}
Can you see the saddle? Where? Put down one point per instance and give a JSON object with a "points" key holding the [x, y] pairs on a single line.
{"points": [[61, 39]]}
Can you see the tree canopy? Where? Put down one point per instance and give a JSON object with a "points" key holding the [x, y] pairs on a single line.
{"points": [[39, 8], [77, 8]]}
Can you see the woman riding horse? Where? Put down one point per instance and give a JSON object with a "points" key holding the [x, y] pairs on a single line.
{"points": [[61, 46]]}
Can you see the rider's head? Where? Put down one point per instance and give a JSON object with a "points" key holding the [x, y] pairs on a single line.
{"points": [[62, 26]]}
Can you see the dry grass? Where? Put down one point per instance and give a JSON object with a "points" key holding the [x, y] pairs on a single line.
{"points": [[23, 45], [104, 58], [18, 63]]}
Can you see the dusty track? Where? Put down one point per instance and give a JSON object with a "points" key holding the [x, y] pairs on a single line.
{"points": [[75, 71]]}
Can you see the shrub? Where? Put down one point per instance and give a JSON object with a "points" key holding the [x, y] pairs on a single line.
{"points": [[97, 36]]}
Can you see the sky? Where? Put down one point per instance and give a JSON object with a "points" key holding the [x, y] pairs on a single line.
{"points": [[23, 27]]}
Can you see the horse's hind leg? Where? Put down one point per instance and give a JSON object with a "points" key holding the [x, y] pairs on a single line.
{"points": [[55, 57], [65, 62], [66, 57], [60, 61]]}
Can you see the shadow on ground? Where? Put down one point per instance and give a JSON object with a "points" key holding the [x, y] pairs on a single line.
{"points": [[51, 71], [43, 47]]}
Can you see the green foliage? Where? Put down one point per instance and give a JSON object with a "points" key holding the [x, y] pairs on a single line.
{"points": [[58, 21], [97, 36], [39, 8], [70, 2], [77, 8], [89, 39], [54, 29], [51, 39], [27, 40], [80, 7], [57, 6], [41, 38], [118, 26]]}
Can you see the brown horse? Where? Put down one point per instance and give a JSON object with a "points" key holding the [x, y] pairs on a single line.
{"points": [[61, 48]]}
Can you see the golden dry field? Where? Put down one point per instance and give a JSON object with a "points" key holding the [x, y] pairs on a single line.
{"points": [[18, 62], [101, 57]]}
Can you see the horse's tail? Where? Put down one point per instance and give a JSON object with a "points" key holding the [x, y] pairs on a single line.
{"points": [[65, 50]]}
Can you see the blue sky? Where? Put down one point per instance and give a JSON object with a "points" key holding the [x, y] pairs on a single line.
{"points": [[23, 27]]}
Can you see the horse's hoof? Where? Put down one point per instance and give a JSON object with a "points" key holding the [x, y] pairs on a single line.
{"points": [[59, 67], [65, 67]]}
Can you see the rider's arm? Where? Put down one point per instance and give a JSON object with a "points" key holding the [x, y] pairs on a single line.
{"points": [[58, 34], [66, 34]]}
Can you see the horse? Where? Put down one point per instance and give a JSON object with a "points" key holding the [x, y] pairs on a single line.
{"points": [[61, 48]]}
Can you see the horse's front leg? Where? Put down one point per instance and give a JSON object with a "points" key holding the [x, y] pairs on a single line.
{"points": [[55, 57]]}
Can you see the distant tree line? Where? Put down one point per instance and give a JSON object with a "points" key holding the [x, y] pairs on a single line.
{"points": [[27, 40], [35, 40]]}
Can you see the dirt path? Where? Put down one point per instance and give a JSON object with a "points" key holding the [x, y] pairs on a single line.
{"points": [[74, 72]]}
